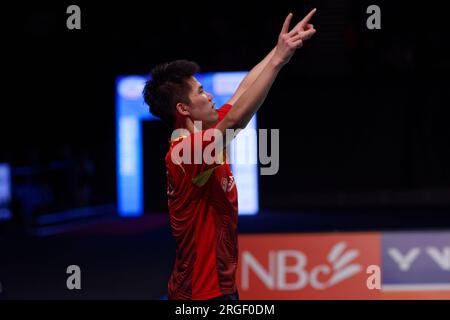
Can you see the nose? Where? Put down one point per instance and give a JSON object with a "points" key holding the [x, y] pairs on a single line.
{"points": [[209, 95]]}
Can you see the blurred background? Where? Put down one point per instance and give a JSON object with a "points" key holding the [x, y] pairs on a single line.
{"points": [[363, 118]]}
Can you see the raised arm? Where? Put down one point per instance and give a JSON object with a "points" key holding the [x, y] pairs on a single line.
{"points": [[250, 78], [252, 97]]}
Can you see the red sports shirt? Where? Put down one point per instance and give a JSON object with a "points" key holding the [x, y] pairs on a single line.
{"points": [[203, 209]]}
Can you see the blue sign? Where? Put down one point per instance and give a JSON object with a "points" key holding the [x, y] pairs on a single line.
{"points": [[131, 111]]}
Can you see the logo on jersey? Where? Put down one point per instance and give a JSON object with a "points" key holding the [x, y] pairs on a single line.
{"points": [[227, 184]]}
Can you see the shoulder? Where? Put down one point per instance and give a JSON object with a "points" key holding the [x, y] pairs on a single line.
{"points": [[225, 108], [222, 111]]}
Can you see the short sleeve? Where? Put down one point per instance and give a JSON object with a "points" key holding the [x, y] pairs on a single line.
{"points": [[222, 111]]}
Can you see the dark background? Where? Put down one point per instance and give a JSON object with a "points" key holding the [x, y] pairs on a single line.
{"points": [[363, 115]]}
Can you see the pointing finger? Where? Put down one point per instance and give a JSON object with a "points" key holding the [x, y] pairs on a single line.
{"points": [[308, 17]]}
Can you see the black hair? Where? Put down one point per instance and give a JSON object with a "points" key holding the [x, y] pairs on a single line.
{"points": [[167, 87]]}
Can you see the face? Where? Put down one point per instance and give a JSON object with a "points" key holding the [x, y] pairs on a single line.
{"points": [[201, 107]]}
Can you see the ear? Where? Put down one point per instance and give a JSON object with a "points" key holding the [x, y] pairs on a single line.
{"points": [[182, 109]]}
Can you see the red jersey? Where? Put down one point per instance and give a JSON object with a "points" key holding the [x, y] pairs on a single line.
{"points": [[202, 200]]}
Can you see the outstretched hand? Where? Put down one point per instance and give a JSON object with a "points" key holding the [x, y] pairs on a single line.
{"points": [[289, 41]]}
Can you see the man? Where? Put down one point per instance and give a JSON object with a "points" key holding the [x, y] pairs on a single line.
{"points": [[202, 196]]}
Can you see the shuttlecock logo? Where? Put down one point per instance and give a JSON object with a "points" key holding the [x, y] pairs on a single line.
{"points": [[341, 262]]}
